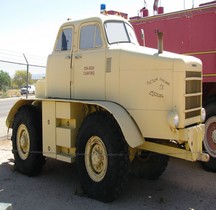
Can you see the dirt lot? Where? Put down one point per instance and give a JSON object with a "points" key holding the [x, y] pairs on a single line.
{"points": [[184, 185]]}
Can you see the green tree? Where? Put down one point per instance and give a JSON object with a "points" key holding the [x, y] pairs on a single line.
{"points": [[20, 78], [5, 80]]}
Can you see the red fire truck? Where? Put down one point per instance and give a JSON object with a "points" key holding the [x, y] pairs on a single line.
{"points": [[190, 32]]}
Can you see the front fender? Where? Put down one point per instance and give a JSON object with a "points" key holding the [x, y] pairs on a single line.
{"points": [[128, 126]]}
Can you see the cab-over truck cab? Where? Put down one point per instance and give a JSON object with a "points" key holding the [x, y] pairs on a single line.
{"points": [[111, 106]]}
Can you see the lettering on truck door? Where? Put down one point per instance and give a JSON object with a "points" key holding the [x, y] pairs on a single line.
{"points": [[89, 62]]}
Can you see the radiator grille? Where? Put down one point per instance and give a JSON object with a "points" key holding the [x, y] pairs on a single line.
{"points": [[193, 94]]}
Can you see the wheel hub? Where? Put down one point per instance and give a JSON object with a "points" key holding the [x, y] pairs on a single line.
{"points": [[97, 158], [24, 142], [214, 136]]}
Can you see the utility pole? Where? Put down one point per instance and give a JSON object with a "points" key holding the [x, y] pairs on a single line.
{"points": [[27, 79]]}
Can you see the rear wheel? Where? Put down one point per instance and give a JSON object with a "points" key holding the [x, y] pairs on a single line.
{"points": [[27, 141], [102, 157], [149, 165], [209, 142]]}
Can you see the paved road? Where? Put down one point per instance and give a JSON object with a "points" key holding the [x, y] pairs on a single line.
{"points": [[5, 106]]}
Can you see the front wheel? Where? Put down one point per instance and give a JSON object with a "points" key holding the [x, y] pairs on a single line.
{"points": [[102, 157], [27, 141]]}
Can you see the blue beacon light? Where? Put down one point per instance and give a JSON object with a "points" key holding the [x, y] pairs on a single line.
{"points": [[102, 8]]}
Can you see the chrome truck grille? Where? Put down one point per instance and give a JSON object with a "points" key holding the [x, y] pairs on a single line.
{"points": [[193, 95]]}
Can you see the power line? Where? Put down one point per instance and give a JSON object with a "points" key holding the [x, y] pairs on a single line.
{"points": [[24, 64], [14, 57]]}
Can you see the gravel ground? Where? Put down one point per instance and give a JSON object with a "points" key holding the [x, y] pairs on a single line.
{"points": [[184, 185]]}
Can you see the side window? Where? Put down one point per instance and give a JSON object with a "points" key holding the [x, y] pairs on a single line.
{"points": [[90, 37], [65, 40]]}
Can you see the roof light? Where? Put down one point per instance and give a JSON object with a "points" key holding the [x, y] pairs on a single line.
{"points": [[102, 8]]}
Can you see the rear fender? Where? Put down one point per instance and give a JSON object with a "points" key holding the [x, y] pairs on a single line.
{"points": [[15, 108]]}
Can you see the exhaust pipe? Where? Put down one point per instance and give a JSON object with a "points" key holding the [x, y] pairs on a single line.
{"points": [[160, 41]]}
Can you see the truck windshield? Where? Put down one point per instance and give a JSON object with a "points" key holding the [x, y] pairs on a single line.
{"points": [[119, 32]]}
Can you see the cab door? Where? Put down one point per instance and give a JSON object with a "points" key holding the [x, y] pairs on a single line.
{"points": [[59, 65], [89, 63]]}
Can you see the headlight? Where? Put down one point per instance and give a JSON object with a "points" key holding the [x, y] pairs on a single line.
{"points": [[203, 115], [173, 119]]}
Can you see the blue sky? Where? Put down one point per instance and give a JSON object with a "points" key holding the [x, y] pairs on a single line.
{"points": [[30, 26]]}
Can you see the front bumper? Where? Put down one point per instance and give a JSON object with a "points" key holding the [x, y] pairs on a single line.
{"points": [[190, 140]]}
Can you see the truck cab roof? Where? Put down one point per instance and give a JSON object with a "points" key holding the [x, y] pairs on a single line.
{"points": [[99, 18]]}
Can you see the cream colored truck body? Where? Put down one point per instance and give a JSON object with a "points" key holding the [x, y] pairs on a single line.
{"points": [[154, 97], [149, 87]]}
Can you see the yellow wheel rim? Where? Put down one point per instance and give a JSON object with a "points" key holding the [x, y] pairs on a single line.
{"points": [[96, 160], [23, 142]]}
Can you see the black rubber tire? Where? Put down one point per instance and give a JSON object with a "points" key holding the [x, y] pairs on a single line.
{"points": [[149, 165], [103, 125], [30, 118], [211, 164]]}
